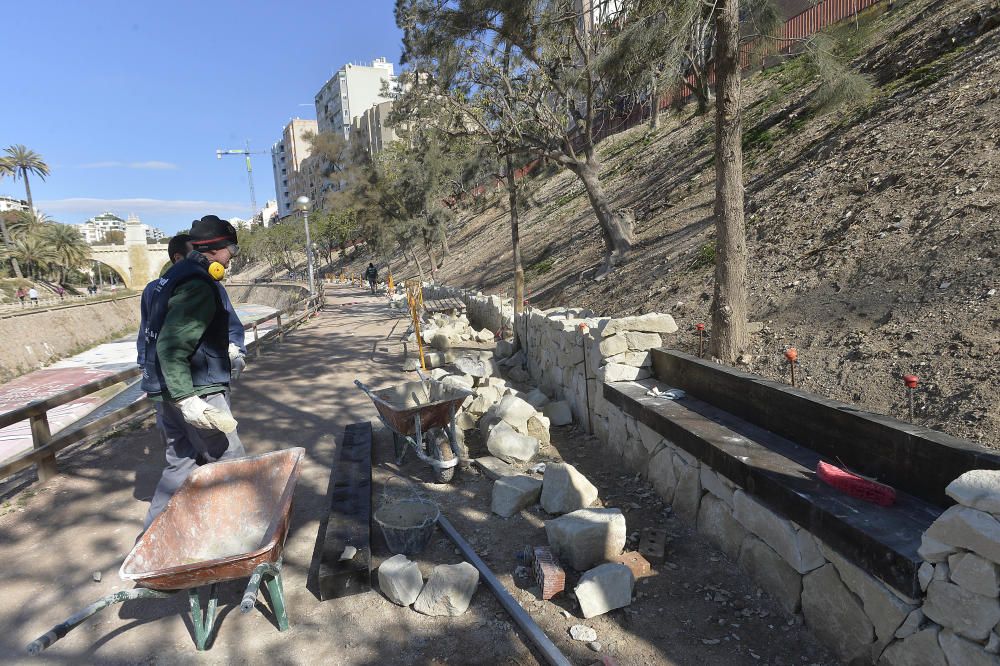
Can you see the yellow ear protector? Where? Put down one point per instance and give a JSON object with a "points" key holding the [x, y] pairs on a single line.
{"points": [[216, 270]]}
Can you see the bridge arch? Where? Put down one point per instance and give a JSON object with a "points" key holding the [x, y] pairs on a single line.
{"points": [[136, 261]]}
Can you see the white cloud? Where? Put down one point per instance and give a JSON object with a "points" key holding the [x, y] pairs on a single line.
{"points": [[86, 206], [148, 164]]}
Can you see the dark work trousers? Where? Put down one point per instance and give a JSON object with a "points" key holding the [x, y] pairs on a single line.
{"points": [[187, 448]]}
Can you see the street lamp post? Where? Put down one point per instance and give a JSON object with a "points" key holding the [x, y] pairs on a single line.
{"points": [[303, 204]]}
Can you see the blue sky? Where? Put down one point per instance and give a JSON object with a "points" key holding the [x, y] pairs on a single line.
{"points": [[128, 101]]}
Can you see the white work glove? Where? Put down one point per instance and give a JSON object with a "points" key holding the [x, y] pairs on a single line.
{"points": [[237, 361], [202, 415]]}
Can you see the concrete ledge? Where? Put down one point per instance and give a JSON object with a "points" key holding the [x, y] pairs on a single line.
{"points": [[906, 456], [780, 474]]}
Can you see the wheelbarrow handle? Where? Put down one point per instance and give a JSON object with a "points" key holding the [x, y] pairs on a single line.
{"points": [[75, 620], [368, 391]]}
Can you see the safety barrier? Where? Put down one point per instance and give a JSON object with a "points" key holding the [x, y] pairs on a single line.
{"points": [[45, 445]]}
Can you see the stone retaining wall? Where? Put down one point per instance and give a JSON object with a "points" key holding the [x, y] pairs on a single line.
{"points": [[957, 623], [32, 340], [278, 296]]}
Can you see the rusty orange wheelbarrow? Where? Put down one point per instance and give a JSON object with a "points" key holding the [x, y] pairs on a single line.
{"points": [[228, 521], [417, 413]]}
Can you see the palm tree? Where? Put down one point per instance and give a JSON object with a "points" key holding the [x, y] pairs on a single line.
{"points": [[72, 251], [6, 170], [34, 251], [20, 160], [22, 223]]}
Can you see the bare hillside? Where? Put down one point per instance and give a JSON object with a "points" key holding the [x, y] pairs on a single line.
{"points": [[874, 234]]}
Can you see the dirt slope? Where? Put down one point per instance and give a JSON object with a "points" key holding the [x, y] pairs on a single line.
{"points": [[874, 234]]}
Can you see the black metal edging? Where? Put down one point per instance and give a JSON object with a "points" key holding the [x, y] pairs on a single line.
{"points": [[787, 497]]}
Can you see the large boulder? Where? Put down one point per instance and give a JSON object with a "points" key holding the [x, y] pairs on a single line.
{"points": [[564, 489], [604, 588], [647, 323], [538, 427], [558, 412], [400, 580], [449, 590], [506, 443], [513, 493], [586, 537], [515, 411], [977, 489]]}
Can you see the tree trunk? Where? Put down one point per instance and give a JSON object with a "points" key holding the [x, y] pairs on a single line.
{"points": [[729, 305], [515, 239], [6, 242], [27, 191], [443, 229], [654, 97], [429, 248], [616, 227], [416, 260]]}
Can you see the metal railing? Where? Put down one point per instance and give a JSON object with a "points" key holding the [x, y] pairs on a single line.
{"points": [[45, 445]]}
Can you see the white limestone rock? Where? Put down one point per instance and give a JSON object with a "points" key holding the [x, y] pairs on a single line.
{"points": [[400, 580], [513, 493], [536, 398], [449, 590], [558, 412], [975, 574], [961, 652], [586, 537], [643, 341], [716, 522], [835, 615], [969, 529], [515, 411], [687, 494], [564, 489], [717, 485], [604, 588], [661, 475], [911, 624], [932, 550], [969, 614], [771, 573], [538, 427], [919, 649], [795, 546], [503, 350], [458, 381], [647, 323], [619, 372], [924, 575], [616, 344], [506, 443], [884, 608], [977, 489]]}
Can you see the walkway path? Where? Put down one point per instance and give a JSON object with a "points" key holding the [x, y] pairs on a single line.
{"points": [[53, 538]]}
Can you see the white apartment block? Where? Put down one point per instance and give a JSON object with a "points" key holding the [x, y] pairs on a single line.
{"points": [[349, 92], [287, 156], [267, 215], [94, 229], [372, 128], [10, 203]]}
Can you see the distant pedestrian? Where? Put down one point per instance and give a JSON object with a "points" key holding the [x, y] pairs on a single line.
{"points": [[62, 292], [33, 295], [22, 294], [371, 274]]}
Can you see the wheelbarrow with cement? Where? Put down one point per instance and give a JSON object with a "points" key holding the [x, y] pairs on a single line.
{"points": [[227, 521], [422, 415]]}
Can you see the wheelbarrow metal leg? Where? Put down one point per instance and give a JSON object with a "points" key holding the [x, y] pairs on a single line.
{"points": [[75, 620], [203, 624], [276, 591]]}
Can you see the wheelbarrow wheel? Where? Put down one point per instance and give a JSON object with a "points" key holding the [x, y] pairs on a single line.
{"points": [[440, 449], [399, 447]]}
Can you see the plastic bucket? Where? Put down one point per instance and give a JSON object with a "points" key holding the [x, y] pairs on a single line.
{"points": [[407, 524]]}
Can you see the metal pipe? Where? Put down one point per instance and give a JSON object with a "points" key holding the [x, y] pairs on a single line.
{"points": [[544, 644]]}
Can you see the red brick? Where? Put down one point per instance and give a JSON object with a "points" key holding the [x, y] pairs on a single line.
{"points": [[637, 563], [548, 573]]}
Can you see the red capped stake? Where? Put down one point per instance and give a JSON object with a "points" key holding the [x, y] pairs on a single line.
{"points": [[701, 339], [911, 381], [792, 354]]}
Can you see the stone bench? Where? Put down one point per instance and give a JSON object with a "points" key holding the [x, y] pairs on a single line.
{"points": [[767, 438]]}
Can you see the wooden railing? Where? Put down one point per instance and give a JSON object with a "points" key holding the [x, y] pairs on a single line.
{"points": [[45, 445]]}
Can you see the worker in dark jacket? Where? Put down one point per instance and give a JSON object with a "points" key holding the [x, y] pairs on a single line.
{"points": [[178, 248], [187, 369], [371, 274]]}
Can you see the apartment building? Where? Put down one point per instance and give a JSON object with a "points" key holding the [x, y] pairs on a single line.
{"points": [[287, 156], [349, 92]]}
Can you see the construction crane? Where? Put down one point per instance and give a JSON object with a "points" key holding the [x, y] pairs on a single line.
{"points": [[246, 153]]}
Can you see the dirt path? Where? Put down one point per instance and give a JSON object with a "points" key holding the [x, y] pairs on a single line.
{"points": [[699, 609]]}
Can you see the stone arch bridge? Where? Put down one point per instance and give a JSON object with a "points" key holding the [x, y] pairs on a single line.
{"points": [[136, 262]]}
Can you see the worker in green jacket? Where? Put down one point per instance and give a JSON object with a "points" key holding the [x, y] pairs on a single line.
{"points": [[187, 365]]}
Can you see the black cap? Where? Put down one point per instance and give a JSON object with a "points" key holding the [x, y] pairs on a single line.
{"points": [[212, 233]]}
